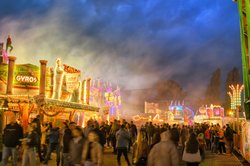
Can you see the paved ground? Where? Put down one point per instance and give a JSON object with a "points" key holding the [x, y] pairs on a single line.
{"points": [[110, 159], [220, 160], [210, 160]]}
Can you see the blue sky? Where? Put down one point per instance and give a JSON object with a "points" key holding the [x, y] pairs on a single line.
{"points": [[130, 42]]}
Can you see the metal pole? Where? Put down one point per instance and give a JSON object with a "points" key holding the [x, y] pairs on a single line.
{"points": [[238, 127], [237, 116]]}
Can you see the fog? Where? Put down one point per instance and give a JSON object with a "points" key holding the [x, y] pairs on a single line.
{"points": [[130, 43]]}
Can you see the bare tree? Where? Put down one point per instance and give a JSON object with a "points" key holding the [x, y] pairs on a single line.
{"points": [[213, 91]]}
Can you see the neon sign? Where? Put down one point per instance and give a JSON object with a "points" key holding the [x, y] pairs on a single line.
{"points": [[26, 79]]}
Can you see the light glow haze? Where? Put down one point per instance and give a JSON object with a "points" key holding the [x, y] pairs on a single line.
{"points": [[130, 43]]}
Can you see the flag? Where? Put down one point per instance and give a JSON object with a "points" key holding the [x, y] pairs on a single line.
{"points": [[5, 57]]}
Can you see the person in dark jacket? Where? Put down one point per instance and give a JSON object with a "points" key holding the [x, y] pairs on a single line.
{"points": [[76, 147], [37, 125], [229, 136], [13, 132], [122, 143], [133, 132], [156, 140], [100, 133], [67, 137], [114, 128], [29, 144], [175, 135], [53, 135], [150, 132]]}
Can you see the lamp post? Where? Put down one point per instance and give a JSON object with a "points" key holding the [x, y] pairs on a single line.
{"points": [[235, 97]]}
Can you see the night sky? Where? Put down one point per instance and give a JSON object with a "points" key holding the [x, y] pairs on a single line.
{"points": [[132, 43]]}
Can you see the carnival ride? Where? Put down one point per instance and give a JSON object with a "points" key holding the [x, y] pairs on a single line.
{"points": [[181, 112], [244, 13], [166, 112], [113, 100]]}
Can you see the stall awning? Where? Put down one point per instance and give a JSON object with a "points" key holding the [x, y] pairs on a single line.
{"points": [[41, 100], [72, 105]]}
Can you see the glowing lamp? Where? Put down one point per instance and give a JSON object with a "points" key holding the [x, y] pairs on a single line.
{"points": [[235, 95]]}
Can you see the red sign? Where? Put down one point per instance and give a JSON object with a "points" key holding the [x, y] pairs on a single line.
{"points": [[70, 69]]}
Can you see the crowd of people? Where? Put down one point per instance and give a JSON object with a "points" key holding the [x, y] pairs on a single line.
{"points": [[150, 144]]}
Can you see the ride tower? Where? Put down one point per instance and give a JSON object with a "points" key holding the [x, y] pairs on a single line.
{"points": [[244, 13]]}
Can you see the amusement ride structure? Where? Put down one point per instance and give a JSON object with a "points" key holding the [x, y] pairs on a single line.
{"points": [[244, 13]]}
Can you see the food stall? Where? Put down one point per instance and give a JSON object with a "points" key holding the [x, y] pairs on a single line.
{"points": [[57, 94], [212, 114]]}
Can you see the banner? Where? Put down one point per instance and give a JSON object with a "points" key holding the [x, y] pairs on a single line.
{"points": [[1, 49], [72, 81], [72, 78], [3, 72]]}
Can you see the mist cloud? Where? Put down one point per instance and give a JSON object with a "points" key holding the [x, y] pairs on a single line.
{"points": [[131, 43]]}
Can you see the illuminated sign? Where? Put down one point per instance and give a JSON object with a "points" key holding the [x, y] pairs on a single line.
{"points": [[151, 107], [26, 75], [26, 79], [211, 111]]}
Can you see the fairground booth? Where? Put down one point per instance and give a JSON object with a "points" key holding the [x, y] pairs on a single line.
{"points": [[56, 94], [171, 112], [213, 114]]}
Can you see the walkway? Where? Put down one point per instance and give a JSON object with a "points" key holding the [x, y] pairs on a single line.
{"points": [[212, 159]]}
